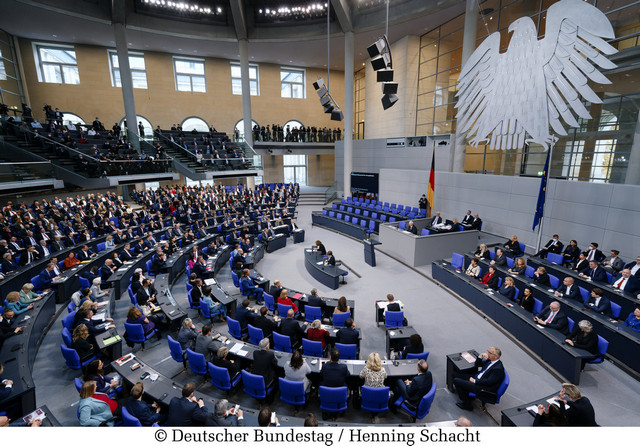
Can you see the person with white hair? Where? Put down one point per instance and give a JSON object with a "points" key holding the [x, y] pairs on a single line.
{"points": [[582, 336], [225, 416], [96, 291], [265, 363]]}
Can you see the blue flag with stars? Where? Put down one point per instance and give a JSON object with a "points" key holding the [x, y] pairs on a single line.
{"points": [[542, 195]]}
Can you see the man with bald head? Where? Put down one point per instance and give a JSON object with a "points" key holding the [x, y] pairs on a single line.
{"points": [[627, 282], [568, 289], [553, 317]]}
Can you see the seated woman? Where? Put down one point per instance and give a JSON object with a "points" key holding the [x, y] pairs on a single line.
{"points": [[95, 409], [96, 292], [109, 243], [193, 257], [526, 300], [474, 269], [187, 334], [373, 373], [519, 267], [135, 316], [14, 304], [541, 277], [297, 370], [80, 344], [415, 346], [214, 306], [317, 333], [490, 280], [70, 261], [342, 306], [553, 416], [285, 300], [320, 248], [585, 338], [513, 247], [27, 295], [104, 383], [482, 252], [508, 288]]}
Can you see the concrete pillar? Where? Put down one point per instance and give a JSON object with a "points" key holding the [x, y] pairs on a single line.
{"points": [[246, 90], [251, 183], [468, 47], [348, 111], [633, 168], [127, 84]]}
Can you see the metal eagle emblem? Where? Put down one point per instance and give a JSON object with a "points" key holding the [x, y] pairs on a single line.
{"points": [[504, 96]]}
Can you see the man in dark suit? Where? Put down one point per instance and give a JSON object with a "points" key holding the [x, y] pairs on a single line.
{"points": [[595, 272], [223, 416], [348, 334], [437, 219], [127, 254], [290, 327], [29, 256], [553, 317], [43, 249], [47, 275], [593, 253], [627, 282], [187, 411], [196, 292], [159, 263], [8, 264], [200, 267], [499, 259], [554, 246], [29, 240], [275, 289], [57, 244], [264, 323], [576, 408], [467, 220], [634, 267], [146, 413], [331, 260], [598, 302], [106, 271], [244, 315], [411, 228], [488, 379], [205, 344], [333, 373], [412, 390], [568, 289], [84, 254], [314, 300], [265, 363]]}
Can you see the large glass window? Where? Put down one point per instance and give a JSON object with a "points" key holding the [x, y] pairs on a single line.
{"points": [[240, 128], [189, 74], [71, 118], [292, 83], [146, 125], [236, 79], [3, 70], [195, 123], [137, 66], [295, 169], [57, 64]]}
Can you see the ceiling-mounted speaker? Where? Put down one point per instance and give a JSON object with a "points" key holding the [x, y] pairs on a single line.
{"points": [[322, 91], [324, 100], [389, 88], [388, 100], [337, 115], [385, 76], [318, 84], [328, 108], [376, 48]]}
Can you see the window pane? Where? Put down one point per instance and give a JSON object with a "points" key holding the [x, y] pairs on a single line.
{"points": [[70, 75], [198, 84], [189, 66], [58, 55], [285, 91], [254, 88], [253, 73], [116, 78], [52, 73], [136, 62], [114, 60], [235, 71], [236, 86], [139, 79], [195, 123], [291, 76], [296, 90], [183, 83]]}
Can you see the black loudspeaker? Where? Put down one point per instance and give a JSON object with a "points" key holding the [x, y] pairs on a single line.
{"points": [[337, 115], [379, 63], [318, 84], [376, 48], [324, 100], [388, 100], [328, 108], [385, 76], [389, 87]]}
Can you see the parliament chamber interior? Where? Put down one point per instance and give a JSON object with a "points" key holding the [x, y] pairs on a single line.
{"points": [[186, 244]]}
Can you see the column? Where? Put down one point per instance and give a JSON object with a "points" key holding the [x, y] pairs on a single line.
{"points": [[348, 111], [127, 84], [246, 90], [468, 47], [633, 168]]}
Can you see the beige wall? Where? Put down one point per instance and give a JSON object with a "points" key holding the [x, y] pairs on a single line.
{"points": [[320, 170], [273, 169], [162, 105]]}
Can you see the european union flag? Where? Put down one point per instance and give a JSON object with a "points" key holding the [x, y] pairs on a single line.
{"points": [[542, 194]]}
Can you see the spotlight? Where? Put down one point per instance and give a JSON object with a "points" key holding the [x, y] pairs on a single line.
{"points": [[385, 75], [388, 100], [389, 88]]}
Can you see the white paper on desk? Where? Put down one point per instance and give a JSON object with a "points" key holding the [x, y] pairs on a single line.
{"points": [[392, 333], [533, 408], [307, 250], [553, 401], [335, 330], [235, 349], [242, 352], [381, 304], [210, 282], [26, 318], [153, 377], [319, 263], [468, 357], [102, 304], [550, 290], [99, 317]]}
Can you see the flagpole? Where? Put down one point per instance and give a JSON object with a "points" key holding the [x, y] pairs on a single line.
{"points": [[539, 242]]}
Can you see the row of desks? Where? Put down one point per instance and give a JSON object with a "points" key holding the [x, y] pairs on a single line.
{"points": [[546, 343], [624, 343]]}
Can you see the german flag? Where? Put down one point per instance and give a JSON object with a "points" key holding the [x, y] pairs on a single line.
{"points": [[432, 180]]}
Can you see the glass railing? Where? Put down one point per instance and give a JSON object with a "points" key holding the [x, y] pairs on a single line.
{"points": [[331, 193], [26, 171]]}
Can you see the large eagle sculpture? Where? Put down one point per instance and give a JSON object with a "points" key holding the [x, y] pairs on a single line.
{"points": [[503, 96]]}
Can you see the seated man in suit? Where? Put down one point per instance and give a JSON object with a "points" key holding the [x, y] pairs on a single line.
{"points": [[613, 264], [411, 228], [106, 271], [200, 267], [627, 282], [265, 363], [553, 317], [290, 327], [412, 390], [467, 220], [594, 272], [554, 246], [187, 411], [43, 249], [245, 315], [48, 275], [265, 324], [437, 221], [85, 254], [146, 413], [205, 345], [222, 360], [392, 305], [333, 373], [568, 289], [331, 260], [634, 267], [314, 300], [598, 302], [29, 256], [488, 379], [8, 264], [499, 259], [275, 289], [223, 416], [593, 253], [159, 263], [348, 334]]}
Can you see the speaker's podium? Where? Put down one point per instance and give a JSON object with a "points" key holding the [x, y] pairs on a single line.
{"points": [[369, 251], [298, 236]]}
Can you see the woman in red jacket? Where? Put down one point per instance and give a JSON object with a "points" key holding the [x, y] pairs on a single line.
{"points": [[490, 280], [317, 333], [284, 299]]}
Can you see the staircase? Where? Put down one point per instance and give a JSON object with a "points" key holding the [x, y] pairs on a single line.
{"points": [[309, 198], [183, 158]]}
